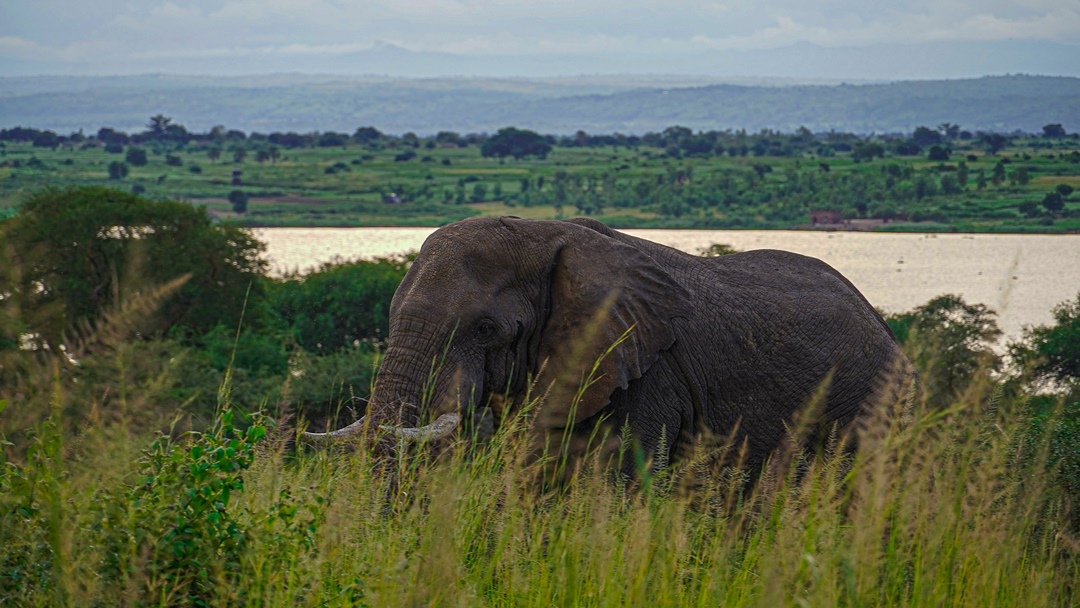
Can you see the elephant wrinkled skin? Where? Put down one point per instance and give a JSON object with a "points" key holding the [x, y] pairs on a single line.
{"points": [[733, 345]]}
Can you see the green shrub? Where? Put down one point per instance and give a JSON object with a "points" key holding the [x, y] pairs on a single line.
{"points": [[182, 506], [88, 247], [136, 156], [239, 200], [949, 341], [341, 304], [118, 170]]}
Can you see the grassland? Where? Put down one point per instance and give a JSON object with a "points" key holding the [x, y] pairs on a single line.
{"points": [[115, 490], [950, 507], [637, 186]]}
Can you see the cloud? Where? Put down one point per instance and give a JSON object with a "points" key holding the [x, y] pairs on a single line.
{"points": [[13, 46], [1061, 24], [151, 31]]}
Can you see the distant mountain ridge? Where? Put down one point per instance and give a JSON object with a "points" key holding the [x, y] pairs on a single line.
{"points": [[600, 104], [801, 60]]}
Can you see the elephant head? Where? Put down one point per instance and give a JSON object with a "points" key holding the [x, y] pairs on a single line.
{"points": [[501, 307]]}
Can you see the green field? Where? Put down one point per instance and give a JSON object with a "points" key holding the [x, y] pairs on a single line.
{"points": [[770, 180], [150, 397]]}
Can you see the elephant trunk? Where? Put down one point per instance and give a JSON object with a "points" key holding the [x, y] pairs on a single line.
{"points": [[395, 404]]}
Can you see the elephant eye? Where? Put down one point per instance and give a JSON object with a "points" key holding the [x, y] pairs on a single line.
{"points": [[485, 329]]}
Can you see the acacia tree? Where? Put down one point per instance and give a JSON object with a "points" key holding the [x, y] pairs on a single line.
{"points": [[1053, 130], [80, 251], [518, 143], [994, 142]]}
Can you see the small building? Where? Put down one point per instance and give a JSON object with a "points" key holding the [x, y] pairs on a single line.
{"points": [[824, 217]]}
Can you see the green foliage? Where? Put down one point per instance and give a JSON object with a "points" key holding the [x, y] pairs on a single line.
{"points": [[29, 517], [949, 341], [1053, 202], [938, 153], [340, 304], [518, 143], [868, 151], [1047, 360], [239, 200], [948, 508], [1053, 130], [925, 136], [723, 179], [136, 157], [1052, 352], [118, 170], [955, 505], [182, 503], [79, 250], [717, 250]]}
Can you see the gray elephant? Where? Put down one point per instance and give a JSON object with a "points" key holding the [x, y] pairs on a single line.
{"points": [[494, 309]]}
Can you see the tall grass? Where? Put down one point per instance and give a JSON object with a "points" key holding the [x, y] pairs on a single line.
{"points": [[938, 507]]}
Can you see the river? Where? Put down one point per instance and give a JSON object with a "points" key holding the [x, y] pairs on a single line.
{"points": [[1021, 277]]}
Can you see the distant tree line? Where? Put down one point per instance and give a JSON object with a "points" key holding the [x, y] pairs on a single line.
{"points": [[743, 194], [677, 141]]}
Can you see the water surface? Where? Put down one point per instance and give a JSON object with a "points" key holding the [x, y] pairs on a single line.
{"points": [[1021, 277]]}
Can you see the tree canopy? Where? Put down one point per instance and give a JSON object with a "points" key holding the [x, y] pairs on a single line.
{"points": [[1053, 351], [518, 143], [75, 252]]}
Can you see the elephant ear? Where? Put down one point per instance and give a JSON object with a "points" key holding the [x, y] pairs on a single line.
{"points": [[611, 306]]}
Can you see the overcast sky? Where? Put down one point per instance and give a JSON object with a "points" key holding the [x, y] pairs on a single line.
{"points": [[126, 36]]}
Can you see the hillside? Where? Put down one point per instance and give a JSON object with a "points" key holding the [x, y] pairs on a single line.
{"points": [[631, 104]]}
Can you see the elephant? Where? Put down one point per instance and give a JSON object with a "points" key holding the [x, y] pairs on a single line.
{"points": [[614, 329]]}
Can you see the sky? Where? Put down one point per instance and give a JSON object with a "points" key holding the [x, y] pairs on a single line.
{"points": [[106, 37]]}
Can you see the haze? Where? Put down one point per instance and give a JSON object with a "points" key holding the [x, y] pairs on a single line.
{"points": [[831, 40]]}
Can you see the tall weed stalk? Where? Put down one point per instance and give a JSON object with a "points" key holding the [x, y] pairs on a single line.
{"points": [[953, 506]]}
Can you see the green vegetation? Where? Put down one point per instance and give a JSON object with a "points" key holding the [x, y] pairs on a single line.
{"points": [[144, 464], [75, 261], [954, 506], [932, 179]]}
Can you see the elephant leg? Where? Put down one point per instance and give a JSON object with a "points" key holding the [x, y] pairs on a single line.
{"points": [[658, 416]]}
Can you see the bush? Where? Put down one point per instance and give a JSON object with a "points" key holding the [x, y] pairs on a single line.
{"points": [[518, 143], [340, 304], [939, 506], [938, 153], [80, 251], [118, 170], [950, 341], [1053, 202], [944, 509], [239, 200], [1052, 352], [136, 157]]}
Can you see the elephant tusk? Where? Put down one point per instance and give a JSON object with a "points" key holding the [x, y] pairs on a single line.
{"points": [[442, 427], [338, 436]]}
